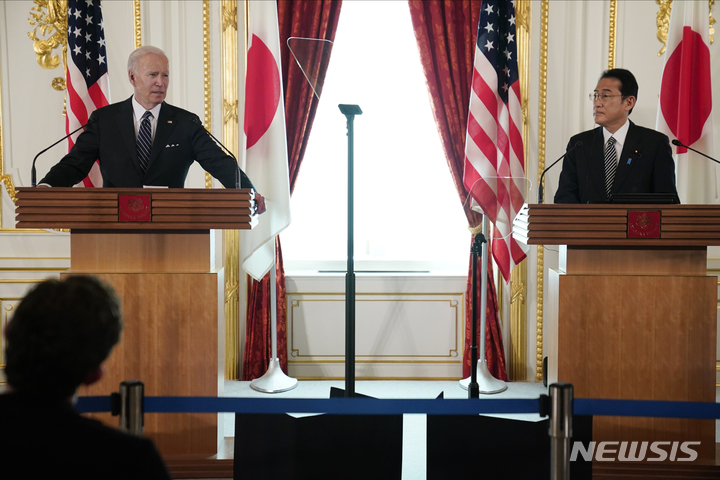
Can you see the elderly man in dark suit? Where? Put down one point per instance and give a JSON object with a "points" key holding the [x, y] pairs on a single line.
{"points": [[145, 141], [620, 157]]}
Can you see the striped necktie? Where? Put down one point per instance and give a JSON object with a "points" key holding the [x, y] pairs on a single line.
{"points": [[610, 164], [144, 141]]}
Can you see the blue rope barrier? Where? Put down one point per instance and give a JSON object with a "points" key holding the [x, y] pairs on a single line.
{"points": [[371, 406], [93, 404], [646, 408], [348, 406]]}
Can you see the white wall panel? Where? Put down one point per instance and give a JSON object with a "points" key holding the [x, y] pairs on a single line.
{"points": [[410, 327]]}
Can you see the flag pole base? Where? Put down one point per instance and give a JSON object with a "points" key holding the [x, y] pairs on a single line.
{"points": [[487, 383], [274, 380]]}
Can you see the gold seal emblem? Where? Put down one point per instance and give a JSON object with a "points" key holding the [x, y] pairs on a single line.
{"points": [[644, 221], [134, 204], [644, 224]]}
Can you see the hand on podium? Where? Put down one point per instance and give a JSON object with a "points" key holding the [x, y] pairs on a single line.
{"points": [[259, 204]]}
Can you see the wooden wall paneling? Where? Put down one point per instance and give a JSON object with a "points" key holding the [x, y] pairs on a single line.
{"points": [[640, 337], [170, 342]]}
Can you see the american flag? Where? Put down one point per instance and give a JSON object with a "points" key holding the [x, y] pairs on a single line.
{"points": [[494, 172], [87, 71]]}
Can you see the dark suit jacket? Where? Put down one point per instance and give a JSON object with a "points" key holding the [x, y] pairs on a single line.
{"points": [[179, 140], [645, 166], [42, 438]]}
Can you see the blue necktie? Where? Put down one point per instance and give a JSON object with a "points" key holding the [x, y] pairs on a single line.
{"points": [[144, 141]]}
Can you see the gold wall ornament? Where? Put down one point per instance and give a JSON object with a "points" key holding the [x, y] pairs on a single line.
{"points": [[9, 186], [229, 15], [542, 115], [50, 19], [662, 20], [231, 238], [230, 111], [612, 34], [518, 279], [138, 23], [711, 29], [4, 179], [58, 83], [207, 86]]}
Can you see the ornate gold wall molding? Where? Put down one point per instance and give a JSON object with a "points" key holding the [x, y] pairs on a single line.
{"points": [[138, 23], [207, 114], [5, 179], [518, 279], [613, 34], [50, 19], [231, 243], [711, 30], [662, 21], [542, 113]]}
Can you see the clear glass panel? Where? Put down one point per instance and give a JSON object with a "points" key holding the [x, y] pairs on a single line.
{"points": [[308, 53]]}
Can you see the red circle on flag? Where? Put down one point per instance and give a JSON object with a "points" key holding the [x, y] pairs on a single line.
{"points": [[262, 91], [686, 92]]}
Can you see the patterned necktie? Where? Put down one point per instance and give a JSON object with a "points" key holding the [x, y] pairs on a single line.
{"points": [[144, 141], [610, 164]]}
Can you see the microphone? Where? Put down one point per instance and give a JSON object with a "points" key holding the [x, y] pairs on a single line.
{"points": [[237, 169], [33, 172], [540, 185], [678, 143]]}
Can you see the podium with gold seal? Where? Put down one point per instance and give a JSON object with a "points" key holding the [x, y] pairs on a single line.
{"points": [[155, 246], [631, 312]]}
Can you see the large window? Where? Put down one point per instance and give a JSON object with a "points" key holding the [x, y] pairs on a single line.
{"points": [[407, 213]]}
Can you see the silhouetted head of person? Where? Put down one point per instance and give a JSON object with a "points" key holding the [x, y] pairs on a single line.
{"points": [[60, 334]]}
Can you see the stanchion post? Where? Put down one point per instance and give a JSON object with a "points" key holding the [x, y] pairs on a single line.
{"points": [[350, 111], [132, 400], [561, 412]]}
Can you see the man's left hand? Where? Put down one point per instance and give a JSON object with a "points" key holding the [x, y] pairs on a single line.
{"points": [[259, 204]]}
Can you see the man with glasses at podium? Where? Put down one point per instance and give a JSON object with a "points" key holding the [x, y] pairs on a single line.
{"points": [[620, 158]]}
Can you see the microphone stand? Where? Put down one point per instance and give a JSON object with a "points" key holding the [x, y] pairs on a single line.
{"points": [[350, 111], [33, 171], [678, 143], [232, 155], [540, 184], [480, 380]]}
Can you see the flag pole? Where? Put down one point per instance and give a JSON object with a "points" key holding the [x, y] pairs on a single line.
{"points": [[486, 383], [274, 380]]}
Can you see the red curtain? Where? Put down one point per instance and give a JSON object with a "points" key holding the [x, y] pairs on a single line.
{"points": [[446, 31], [310, 19]]}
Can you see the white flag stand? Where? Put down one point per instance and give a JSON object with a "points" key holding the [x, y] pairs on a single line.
{"points": [[274, 380]]}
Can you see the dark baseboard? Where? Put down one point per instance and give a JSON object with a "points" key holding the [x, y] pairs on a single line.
{"points": [[200, 467]]}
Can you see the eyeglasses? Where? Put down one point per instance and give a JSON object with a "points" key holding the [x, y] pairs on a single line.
{"points": [[602, 96]]}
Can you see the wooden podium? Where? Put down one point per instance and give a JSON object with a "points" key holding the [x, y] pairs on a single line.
{"points": [[632, 312], [154, 246]]}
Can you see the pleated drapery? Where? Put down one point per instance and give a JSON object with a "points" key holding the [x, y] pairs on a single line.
{"points": [[309, 19], [446, 31]]}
